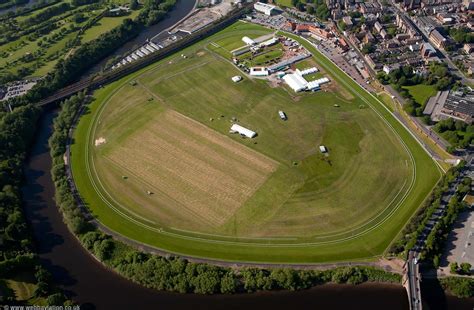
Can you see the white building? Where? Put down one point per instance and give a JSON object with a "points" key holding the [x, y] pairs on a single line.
{"points": [[248, 41], [323, 149], [243, 131], [259, 71], [264, 8]]}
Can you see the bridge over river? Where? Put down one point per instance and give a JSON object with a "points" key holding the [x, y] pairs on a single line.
{"points": [[411, 281]]}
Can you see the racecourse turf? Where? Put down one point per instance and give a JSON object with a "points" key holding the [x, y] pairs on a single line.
{"points": [[274, 198]]}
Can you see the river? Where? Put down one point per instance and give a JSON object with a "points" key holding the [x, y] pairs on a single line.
{"points": [[88, 282]]}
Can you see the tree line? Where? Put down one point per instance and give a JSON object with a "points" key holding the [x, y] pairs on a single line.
{"points": [[47, 14], [456, 132], [17, 130], [460, 287], [417, 223]]}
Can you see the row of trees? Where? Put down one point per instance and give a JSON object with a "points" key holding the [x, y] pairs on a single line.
{"points": [[417, 224], [462, 269], [16, 133], [461, 35], [460, 287], [16, 251], [173, 273], [46, 14]]}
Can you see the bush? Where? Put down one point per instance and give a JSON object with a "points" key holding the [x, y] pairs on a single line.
{"points": [[459, 287]]}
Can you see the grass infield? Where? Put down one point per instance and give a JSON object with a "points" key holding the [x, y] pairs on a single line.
{"points": [[274, 198]]}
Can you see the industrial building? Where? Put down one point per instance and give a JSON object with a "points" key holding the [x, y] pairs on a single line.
{"points": [[446, 104], [243, 131], [265, 8]]}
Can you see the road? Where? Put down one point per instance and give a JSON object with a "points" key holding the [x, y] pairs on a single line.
{"points": [[413, 282]]}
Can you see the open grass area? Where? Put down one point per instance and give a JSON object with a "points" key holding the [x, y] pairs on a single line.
{"points": [[285, 3], [231, 38], [22, 286], [421, 93], [104, 25], [267, 56], [33, 54], [156, 163]]}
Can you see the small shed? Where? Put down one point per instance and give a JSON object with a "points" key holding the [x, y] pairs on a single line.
{"points": [[323, 149]]}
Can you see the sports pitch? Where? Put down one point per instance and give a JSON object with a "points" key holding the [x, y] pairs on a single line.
{"points": [[155, 162]]}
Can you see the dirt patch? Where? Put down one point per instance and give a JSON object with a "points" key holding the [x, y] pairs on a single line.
{"points": [[201, 53], [194, 171], [99, 141], [334, 87]]}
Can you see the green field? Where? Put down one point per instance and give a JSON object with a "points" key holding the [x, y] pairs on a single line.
{"points": [[421, 93], [35, 55], [154, 161]]}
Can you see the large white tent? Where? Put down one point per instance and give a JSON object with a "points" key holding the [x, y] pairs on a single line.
{"points": [[298, 83], [295, 81], [243, 131]]}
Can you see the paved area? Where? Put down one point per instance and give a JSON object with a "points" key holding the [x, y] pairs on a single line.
{"points": [[460, 247], [341, 60]]}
